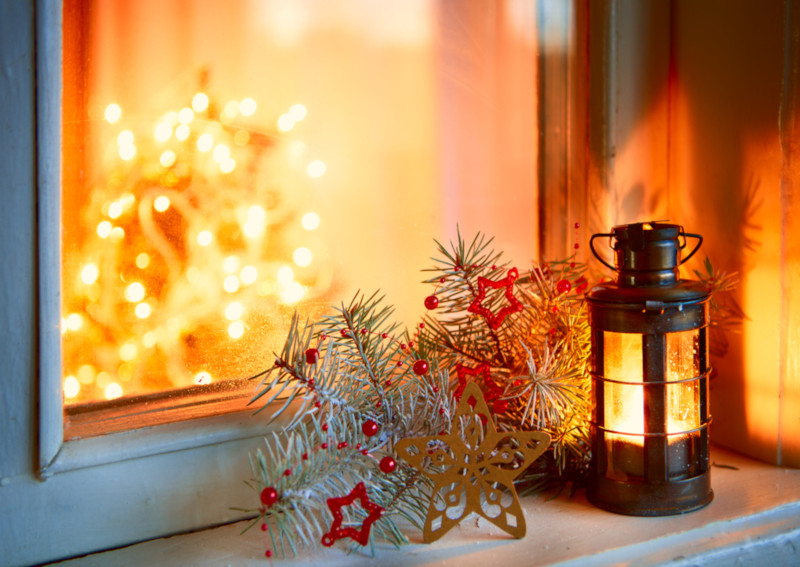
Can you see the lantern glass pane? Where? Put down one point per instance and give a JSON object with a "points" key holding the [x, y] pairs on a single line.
{"points": [[624, 403], [683, 364]]}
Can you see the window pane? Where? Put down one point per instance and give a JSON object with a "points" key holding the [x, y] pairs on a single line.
{"points": [[230, 162]]}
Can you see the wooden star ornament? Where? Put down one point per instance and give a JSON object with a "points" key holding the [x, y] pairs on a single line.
{"points": [[514, 305], [360, 535], [474, 468]]}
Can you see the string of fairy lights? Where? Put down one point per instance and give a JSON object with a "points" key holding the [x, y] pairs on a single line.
{"points": [[197, 233]]}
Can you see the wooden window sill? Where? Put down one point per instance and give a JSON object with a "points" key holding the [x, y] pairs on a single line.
{"points": [[753, 520]]}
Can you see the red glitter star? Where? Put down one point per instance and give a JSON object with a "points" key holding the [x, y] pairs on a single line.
{"points": [[495, 319], [337, 531], [493, 389]]}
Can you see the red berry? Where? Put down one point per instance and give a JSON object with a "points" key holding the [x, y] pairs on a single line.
{"points": [[379, 404], [500, 406], [323, 446], [441, 280], [324, 427], [365, 452], [305, 456], [343, 332], [388, 464], [420, 367], [312, 355], [369, 428], [422, 325], [577, 246], [436, 389], [388, 383], [410, 344], [263, 527], [317, 404], [577, 225], [431, 302], [384, 335], [563, 286], [287, 472], [268, 553], [342, 445], [363, 331], [269, 496]]}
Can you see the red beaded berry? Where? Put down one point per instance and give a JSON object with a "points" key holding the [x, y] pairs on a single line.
{"points": [[388, 464], [563, 286], [343, 332], [420, 367], [312, 355], [287, 472], [342, 445], [263, 527], [323, 446], [431, 302], [268, 553], [369, 428], [269, 496], [500, 406]]}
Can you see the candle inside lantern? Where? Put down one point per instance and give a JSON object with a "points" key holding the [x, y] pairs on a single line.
{"points": [[625, 405]]}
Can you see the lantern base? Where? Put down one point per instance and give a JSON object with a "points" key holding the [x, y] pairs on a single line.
{"points": [[651, 499]]}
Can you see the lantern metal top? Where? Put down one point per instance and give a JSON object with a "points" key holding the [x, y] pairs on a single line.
{"points": [[647, 256]]}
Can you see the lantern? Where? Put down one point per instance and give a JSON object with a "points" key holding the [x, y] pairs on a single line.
{"points": [[649, 368]]}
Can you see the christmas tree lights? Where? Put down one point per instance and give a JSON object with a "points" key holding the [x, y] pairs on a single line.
{"points": [[197, 244]]}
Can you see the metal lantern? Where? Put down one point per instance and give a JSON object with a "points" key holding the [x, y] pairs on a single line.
{"points": [[650, 369]]}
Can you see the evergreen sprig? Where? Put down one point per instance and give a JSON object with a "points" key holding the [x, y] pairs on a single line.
{"points": [[362, 371]]}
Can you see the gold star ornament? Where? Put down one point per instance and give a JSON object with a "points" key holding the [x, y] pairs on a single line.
{"points": [[473, 468]]}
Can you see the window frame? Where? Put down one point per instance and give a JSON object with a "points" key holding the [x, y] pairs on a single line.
{"points": [[61, 498]]}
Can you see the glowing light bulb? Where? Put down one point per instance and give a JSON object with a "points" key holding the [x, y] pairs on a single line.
{"points": [[204, 237], [310, 221], [249, 275], [221, 153], [205, 142], [285, 275], [236, 330], [113, 391], [127, 153], [125, 138], [89, 274], [113, 113], [135, 292], [292, 293], [143, 310], [200, 102], [71, 387], [234, 311], [149, 339], [302, 256], [182, 132], [256, 221], [297, 112], [285, 123], [104, 229], [161, 203], [115, 210], [202, 378], [168, 158], [230, 264], [142, 260], [185, 115], [74, 322], [316, 168], [248, 107], [163, 132], [128, 352], [231, 284]]}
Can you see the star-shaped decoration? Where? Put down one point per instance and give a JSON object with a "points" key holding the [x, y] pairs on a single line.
{"points": [[514, 305], [471, 469], [360, 535], [493, 389]]}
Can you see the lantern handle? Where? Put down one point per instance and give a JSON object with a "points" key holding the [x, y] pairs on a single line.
{"points": [[696, 248], [596, 255]]}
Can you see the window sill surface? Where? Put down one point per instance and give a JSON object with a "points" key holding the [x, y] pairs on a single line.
{"points": [[753, 520]]}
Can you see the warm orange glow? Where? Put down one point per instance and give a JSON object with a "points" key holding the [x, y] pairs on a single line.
{"points": [[624, 403]]}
